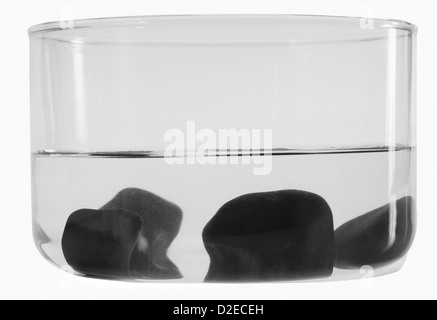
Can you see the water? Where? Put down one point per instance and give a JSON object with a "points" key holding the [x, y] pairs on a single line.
{"points": [[353, 182]]}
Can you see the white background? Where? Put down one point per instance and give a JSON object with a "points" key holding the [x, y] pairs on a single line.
{"points": [[24, 274]]}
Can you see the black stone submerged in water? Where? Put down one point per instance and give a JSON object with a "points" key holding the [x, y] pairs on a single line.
{"points": [[100, 243], [128, 238], [377, 238], [274, 236]]}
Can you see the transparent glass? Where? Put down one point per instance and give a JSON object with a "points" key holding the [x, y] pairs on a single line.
{"points": [[224, 148]]}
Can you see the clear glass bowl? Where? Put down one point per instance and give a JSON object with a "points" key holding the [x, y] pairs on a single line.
{"points": [[224, 148]]}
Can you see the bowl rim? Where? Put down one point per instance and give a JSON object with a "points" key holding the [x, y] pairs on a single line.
{"points": [[109, 22]]}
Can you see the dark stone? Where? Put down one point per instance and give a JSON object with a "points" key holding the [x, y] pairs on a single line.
{"points": [[373, 239], [99, 243], [275, 236], [161, 224]]}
